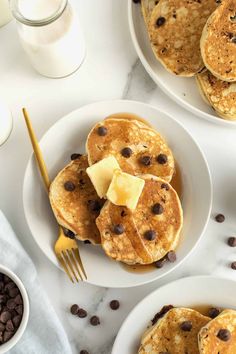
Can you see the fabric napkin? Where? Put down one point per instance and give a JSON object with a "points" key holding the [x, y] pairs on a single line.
{"points": [[44, 333]]}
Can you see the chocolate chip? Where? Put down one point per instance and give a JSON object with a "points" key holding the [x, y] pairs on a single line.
{"points": [[5, 316], [19, 309], [9, 326], [160, 263], [84, 352], [157, 209], [7, 335], [102, 131], [123, 213], [232, 241], [233, 265], [94, 320], [213, 312], [118, 229], [220, 218], [224, 335], [68, 233], [2, 327], [82, 313], [75, 156], [18, 299], [3, 298], [186, 326], [171, 256], [13, 292], [74, 309], [165, 186], [94, 206], [150, 235], [161, 313], [233, 40], [9, 286], [136, 1], [16, 320], [11, 304], [126, 152], [6, 279], [160, 21], [69, 186], [162, 159], [87, 242], [114, 304], [145, 160]]}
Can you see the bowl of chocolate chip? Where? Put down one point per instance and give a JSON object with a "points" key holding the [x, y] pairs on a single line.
{"points": [[14, 309]]}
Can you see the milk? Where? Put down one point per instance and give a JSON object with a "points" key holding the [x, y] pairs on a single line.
{"points": [[57, 49], [5, 122], [5, 13]]}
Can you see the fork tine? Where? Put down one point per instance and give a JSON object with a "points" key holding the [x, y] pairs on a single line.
{"points": [[75, 263], [69, 264], [64, 266], [77, 256]]}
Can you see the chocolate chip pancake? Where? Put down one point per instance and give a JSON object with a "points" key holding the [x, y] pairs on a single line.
{"points": [[146, 234], [75, 202], [221, 95], [137, 148], [175, 29], [147, 8], [175, 333], [219, 335], [218, 42]]}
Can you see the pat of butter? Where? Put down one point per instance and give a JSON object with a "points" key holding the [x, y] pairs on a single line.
{"points": [[125, 189], [101, 174]]}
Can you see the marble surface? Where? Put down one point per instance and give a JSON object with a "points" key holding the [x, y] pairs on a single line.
{"points": [[111, 70]]}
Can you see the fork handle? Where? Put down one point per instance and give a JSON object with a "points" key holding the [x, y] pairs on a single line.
{"points": [[37, 150]]}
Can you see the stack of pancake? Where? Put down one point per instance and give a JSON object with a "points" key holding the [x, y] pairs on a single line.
{"points": [[197, 38], [183, 330], [141, 236]]}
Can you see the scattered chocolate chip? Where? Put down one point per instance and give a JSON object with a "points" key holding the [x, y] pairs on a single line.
{"points": [[87, 242], [233, 265], [16, 320], [162, 159], [232, 241], [224, 335], [165, 186], [233, 40], [136, 1], [114, 304], [18, 299], [213, 312], [123, 213], [157, 209], [171, 256], [160, 21], [150, 235], [19, 309], [145, 160], [118, 229], [94, 320], [220, 218], [69, 186], [84, 352], [68, 233], [160, 263], [11, 304], [126, 152], [102, 131], [74, 309], [82, 313], [186, 326], [5, 316], [94, 206], [75, 156], [9, 326], [161, 313], [13, 292]]}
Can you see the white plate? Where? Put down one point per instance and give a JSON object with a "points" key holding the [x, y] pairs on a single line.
{"points": [[68, 135], [182, 90], [185, 292]]}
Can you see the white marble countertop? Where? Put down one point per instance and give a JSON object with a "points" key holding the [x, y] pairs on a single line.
{"points": [[111, 70]]}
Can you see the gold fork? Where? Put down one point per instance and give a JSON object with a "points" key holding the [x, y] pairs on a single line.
{"points": [[66, 249]]}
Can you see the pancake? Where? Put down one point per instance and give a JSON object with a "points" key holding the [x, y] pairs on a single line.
{"points": [[132, 246], [221, 95], [132, 117], [74, 209], [175, 29], [209, 343], [147, 8], [166, 336], [142, 140], [218, 42]]}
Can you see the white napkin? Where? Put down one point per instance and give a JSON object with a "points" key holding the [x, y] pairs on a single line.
{"points": [[44, 333]]}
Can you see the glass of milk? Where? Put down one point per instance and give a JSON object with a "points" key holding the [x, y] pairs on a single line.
{"points": [[51, 35], [5, 12], [6, 123]]}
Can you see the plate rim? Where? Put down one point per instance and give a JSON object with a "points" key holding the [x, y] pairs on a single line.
{"points": [[180, 101], [154, 292], [120, 101]]}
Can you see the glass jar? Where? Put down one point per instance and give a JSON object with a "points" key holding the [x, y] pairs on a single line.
{"points": [[51, 35], [6, 122], [5, 12]]}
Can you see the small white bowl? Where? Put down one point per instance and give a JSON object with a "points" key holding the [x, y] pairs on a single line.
{"points": [[16, 337]]}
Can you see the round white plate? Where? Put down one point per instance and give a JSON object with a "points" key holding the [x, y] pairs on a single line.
{"points": [[68, 135], [182, 90], [185, 292]]}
